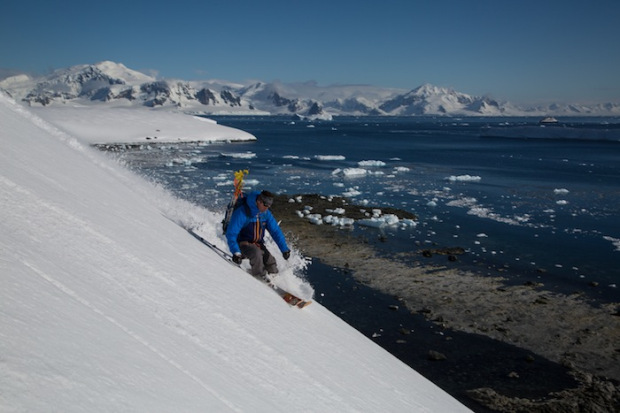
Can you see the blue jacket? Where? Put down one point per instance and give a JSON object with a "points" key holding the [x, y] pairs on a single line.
{"points": [[251, 228]]}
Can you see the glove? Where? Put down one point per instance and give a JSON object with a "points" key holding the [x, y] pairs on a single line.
{"points": [[237, 258], [286, 255]]}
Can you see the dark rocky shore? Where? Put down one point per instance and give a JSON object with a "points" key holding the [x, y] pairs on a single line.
{"points": [[564, 329]]}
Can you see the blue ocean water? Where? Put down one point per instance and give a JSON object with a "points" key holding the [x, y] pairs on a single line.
{"points": [[544, 210]]}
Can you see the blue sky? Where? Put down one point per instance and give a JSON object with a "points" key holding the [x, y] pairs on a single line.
{"points": [[521, 51]]}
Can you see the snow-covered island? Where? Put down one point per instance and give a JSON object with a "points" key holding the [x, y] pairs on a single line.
{"points": [[108, 305]]}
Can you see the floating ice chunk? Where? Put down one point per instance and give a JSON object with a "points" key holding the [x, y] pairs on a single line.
{"points": [[561, 191], [338, 221], [482, 235], [371, 163], [401, 169], [372, 222], [379, 222], [463, 202], [354, 172], [329, 157], [391, 219], [329, 219], [315, 219], [241, 155], [350, 172], [351, 192], [464, 178], [337, 211], [614, 241], [562, 202], [408, 223]]}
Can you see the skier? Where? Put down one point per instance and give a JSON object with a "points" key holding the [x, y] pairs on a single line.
{"points": [[246, 230]]}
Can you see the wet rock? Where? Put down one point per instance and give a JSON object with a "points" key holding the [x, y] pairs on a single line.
{"points": [[593, 395], [541, 300], [451, 252], [436, 356]]}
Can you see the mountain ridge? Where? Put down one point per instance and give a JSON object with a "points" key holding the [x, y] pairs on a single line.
{"points": [[114, 83]]}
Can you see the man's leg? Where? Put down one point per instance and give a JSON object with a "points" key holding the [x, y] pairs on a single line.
{"points": [[269, 261], [255, 255]]}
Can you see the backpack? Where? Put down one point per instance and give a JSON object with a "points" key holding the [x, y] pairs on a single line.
{"points": [[241, 201]]}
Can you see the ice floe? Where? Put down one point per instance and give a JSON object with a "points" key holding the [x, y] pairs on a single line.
{"points": [[464, 178], [239, 155], [614, 241], [329, 157], [371, 163]]}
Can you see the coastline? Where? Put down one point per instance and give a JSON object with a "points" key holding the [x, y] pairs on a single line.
{"points": [[565, 329]]}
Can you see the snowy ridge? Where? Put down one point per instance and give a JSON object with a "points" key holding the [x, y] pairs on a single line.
{"points": [[96, 124], [108, 305], [114, 84]]}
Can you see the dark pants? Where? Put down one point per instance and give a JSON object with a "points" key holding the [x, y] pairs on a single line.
{"points": [[261, 260]]}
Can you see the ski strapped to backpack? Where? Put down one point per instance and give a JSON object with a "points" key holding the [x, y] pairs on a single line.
{"points": [[237, 199]]}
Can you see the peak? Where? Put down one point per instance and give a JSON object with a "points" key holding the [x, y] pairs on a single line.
{"points": [[119, 70], [427, 89], [109, 65]]}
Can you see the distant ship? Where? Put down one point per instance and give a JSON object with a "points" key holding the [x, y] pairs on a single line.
{"points": [[549, 120]]}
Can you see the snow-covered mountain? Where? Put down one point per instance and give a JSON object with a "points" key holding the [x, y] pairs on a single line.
{"points": [[432, 100], [113, 83]]}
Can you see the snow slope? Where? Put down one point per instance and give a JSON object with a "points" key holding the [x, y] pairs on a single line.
{"points": [[108, 305]]}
